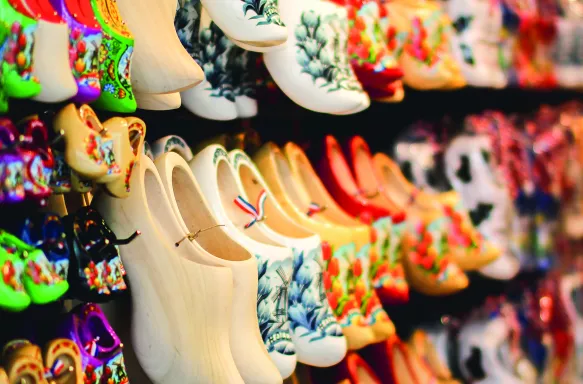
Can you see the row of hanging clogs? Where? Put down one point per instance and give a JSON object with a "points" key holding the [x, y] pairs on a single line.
{"points": [[518, 177], [33, 167], [88, 352]]}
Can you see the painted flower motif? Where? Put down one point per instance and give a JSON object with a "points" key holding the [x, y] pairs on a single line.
{"points": [[109, 88]]}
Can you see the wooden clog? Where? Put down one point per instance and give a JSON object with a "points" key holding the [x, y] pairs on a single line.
{"points": [[155, 40], [171, 290], [338, 246], [318, 343], [158, 101], [195, 215], [23, 363], [63, 361], [387, 273]]}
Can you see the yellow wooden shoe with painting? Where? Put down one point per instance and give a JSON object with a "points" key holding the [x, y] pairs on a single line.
{"points": [[387, 274], [23, 363], [366, 257], [128, 136], [83, 134], [422, 44], [63, 353], [468, 249], [337, 246]]}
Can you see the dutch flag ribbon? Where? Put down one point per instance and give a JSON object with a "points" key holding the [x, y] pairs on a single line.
{"points": [[91, 347], [258, 213], [314, 208], [58, 368]]}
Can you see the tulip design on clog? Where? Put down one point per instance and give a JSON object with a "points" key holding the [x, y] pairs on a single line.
{"points": [[428, 265], [368, 51], [386, 272], [12, 294], [206, 43], [312, 322], [85, 36], [12, 166], [338, 269], [115, 53], [17, 41]]}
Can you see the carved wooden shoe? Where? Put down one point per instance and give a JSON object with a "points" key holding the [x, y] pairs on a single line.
{"points": [[63, 362], [386, 272], [218, 182], [319, 30], [367, 261], [23, 363], [214, 98], [172, 143], [247, 347], [51, 55], [253, 25], [468, 248], [172, 281], [158, 101], [318, 342], [150, 71], [275, 169]]}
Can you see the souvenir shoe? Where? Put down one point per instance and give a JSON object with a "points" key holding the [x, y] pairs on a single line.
{"points": [[247, 342], [38, 158], [62, 359], [40, 280], [3, 377], [214, 98], [96, 272], [253, 25], [386, 273], [83, 134], [50, 54], [12, 166], [167, 347], [45, 231], [337, 243], [475, 41], [480, 342], [368, 50], [314, 330], [417, 163], [240, 65], [23, 362], [85, 37], [468, 249], [128, 137], [366, 274], [150, 71], [14, 296], [115, 55], [17, 63], [321, 78], [352, 370], [158, 101], [218, 182], [468, 170], [148, 150], [172, 143], [420, 43]]}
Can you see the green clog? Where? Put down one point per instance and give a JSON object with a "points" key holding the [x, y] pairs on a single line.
{"points": [[41, 281], [115, 54], [13, 297]]}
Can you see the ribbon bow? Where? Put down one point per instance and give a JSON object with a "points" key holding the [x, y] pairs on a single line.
{"points": [[56, 370], [257, 214], [314, 208]]}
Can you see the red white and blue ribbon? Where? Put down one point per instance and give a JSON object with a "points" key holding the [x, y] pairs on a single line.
{"points": [[314, 208], [258, 213], [57, 369], [91, 347]]}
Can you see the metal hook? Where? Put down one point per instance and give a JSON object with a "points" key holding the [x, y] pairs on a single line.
{"points": [[193, 235], [128, 240], [57, 138]]}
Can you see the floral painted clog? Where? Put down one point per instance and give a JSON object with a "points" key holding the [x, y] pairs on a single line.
{"points": [[85, 35], [115, 54]]}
